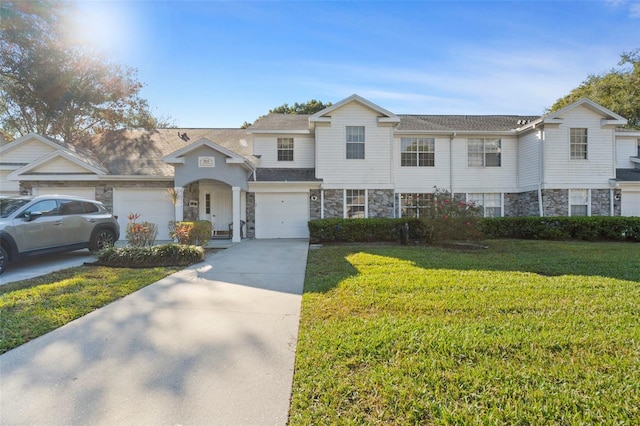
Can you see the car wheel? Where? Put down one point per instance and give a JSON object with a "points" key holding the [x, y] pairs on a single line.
{"points": [[4, 259], [101, 239]]}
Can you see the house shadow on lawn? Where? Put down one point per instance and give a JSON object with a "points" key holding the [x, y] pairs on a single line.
{"points": [[546, 258]]}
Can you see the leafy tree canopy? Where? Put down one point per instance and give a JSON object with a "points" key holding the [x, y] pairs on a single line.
{"points": [[617, 90], [310, 107], [56, 88]]}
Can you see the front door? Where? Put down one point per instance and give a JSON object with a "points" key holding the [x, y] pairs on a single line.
{"points": [[216, 205]]}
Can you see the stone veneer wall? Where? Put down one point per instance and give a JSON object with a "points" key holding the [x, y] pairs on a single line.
{"points": [[333, 203], [521, 204], [191, 192], [315, 206], [380, 202], [600, 202], [555, 202], [251, 214]]}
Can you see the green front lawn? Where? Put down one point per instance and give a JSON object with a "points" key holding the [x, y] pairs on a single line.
{"points": [[525, 332], [31, 308]]}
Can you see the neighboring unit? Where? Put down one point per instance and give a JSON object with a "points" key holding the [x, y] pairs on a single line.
{"points": [[352, 159]]}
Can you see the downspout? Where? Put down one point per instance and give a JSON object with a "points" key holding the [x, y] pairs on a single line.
{"points": [[541, 173], [453, 135]]}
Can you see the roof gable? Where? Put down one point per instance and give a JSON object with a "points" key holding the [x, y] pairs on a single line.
{"points": [[59, 163], [384, 116], [608, 117], [178, 156]]}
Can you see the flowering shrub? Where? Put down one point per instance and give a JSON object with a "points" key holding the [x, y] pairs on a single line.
{"points": [[193, 233], [452, 220], [140, 234]]}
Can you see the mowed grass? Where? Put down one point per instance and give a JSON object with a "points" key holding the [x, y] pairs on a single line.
{"points": [[31, 308], [525, 332]]}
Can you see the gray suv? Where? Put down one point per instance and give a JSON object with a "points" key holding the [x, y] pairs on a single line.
{"points": [[52, 223]]}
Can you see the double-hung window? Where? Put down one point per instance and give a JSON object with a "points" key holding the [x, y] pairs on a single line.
{"points": [[484, 152], [415, 205], [578, 142], [285, 149], [491, 203], [417, 152], [355, 203], [355, 142], [579, 202]]}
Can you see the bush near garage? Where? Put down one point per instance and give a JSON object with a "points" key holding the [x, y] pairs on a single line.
{"points": [[593, 228], [140, 234], [194, 233], [148, 257], [366, 230]]}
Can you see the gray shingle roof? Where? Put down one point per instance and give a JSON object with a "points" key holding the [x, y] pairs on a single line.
{"points": [[140, 152], [281, 122], [628, 175], [286, 175], [450, 123]]}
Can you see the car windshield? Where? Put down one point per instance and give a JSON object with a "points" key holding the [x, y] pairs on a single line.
{"points": [[10, 205]]}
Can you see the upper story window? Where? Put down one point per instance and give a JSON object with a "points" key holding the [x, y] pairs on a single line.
{"points": [[417, 152], [355, 203], [285, 149], [355, 142], [484, 152], [578, 141]]}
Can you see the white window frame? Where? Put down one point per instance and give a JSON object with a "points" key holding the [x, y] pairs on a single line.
{"points": [[355, 145], [424, 151], [484, 152], [285, 149], [414, 202], [481, 199], [579, 143], [573, 197], [349, 196]]}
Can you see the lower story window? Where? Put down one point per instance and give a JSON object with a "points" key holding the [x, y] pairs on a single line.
{"points": [[491, 203], [579, 202], [355, 203], [414, 205]]}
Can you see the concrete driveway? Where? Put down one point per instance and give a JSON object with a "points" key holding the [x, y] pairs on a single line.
{"points": [[44, 264], [213, 344]]}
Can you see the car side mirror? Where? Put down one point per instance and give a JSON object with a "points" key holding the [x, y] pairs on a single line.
{"points": [[31, 216]]}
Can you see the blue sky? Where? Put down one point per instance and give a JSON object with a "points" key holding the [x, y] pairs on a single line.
{"points": [[218, 64]]}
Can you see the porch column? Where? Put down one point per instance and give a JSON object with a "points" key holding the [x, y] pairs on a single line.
{"points": [[236, 214], [179, 203]]}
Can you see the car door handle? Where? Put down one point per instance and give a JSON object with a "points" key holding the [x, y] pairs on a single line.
{"points": [[92, 220]]}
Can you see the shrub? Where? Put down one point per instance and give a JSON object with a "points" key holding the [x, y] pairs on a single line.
{"points": [[147, 257], [195, 233], [451, 220], [140, 234], [594, 228], [366, 230]]}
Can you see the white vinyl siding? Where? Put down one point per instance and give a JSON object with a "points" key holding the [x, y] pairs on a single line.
{"points": [[560, 171], [485, 179], [267, 148], [333, 167], [27, 152], [8, 187], [417, 152], [60, 165], [529, 161], [579, 202]]}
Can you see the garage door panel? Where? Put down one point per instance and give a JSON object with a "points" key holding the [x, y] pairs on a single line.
{"points": [[630, 203], [282, 215], [152, 205]]}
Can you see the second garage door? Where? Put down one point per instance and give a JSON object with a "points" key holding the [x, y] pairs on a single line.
{"points": [[282, 215], [630, 203], [153, 206]]}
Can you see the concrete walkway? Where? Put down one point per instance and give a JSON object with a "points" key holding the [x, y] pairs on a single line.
{"points": [[213, 344]]}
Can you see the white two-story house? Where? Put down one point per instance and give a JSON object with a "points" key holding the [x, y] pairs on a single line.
{"points": [[353, 159]]}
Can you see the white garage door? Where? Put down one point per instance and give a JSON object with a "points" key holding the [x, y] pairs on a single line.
{"points": [[152, 205], [630, 203], [282, 215], [78, 191]]}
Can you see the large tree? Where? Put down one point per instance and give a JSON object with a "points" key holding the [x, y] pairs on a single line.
{"points": [[57, 89], [310, 107], [617, 90]]}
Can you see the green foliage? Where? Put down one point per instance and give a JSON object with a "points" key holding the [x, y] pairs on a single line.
{"points": [[594, 228], [451, 220], [58, 88], [526, 332], [310, 107], [148, 257], [193, 233], [34, 307], [140, 234], [366, 230], [617, 90]]}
